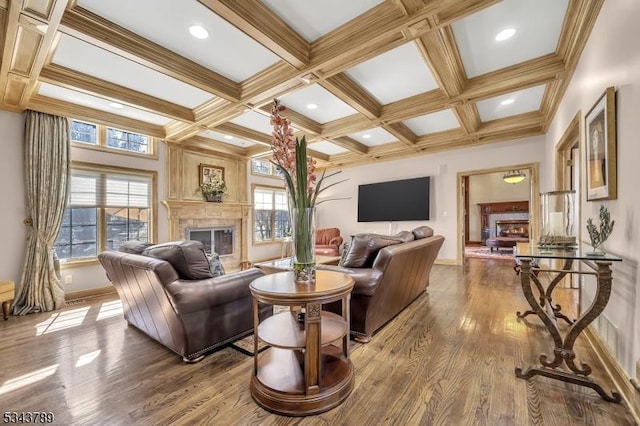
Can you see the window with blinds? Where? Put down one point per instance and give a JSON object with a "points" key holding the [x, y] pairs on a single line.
{"points": [[105, 209], [270, 214]]}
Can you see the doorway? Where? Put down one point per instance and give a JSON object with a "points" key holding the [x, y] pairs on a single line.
{"points": [[474, 230]]}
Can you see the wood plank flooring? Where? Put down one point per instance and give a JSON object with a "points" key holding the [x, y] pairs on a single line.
{"points": [[448, 359]]}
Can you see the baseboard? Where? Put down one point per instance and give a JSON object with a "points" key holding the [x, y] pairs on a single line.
{"points": [[446, 262], [93, 292], [623, 383]]}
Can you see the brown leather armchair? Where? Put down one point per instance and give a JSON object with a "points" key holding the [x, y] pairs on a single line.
{"points": [[191, 317], [328, 241]]}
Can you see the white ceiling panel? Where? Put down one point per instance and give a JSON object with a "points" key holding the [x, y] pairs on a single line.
{"points": [[227, 50], [228, 139], [313, 19], [373, 137], [328, 106], [80, 98], [89, 59], [327, 147], [432, 123], [394, 75], [537, 24], [254, 121], [520, 102]]}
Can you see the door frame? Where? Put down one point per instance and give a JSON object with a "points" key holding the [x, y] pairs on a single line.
{"points": [[534, 201]]}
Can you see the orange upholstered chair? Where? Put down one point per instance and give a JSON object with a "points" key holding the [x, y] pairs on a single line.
{"points": [[328, 241]]}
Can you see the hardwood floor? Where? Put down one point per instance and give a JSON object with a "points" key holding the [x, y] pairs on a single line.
{"points": [[448, 359]]}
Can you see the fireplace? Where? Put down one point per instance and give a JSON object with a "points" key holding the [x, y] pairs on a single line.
{"points": [[219, 240], [512, 228]]}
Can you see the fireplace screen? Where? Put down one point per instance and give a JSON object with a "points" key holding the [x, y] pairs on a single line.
{"points": [[220, 240], [512, 228]]}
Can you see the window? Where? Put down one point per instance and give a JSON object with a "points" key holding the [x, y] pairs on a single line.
{"points": [[103, 137], [105, 208], [270, 214], [265, 167]]}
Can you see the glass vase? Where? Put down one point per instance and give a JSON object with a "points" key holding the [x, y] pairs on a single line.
{"points": [[303, 231], [558, 216]]}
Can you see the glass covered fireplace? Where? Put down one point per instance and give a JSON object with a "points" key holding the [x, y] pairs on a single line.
{"points": [[512, 228], [219, 240]]}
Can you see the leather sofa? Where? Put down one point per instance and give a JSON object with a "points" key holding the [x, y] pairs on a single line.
{"points": [[177, 302], [328, 242], [395, 271]]}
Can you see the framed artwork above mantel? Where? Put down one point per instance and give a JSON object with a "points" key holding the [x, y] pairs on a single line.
{"points": [[206, 173], [601, 150]]}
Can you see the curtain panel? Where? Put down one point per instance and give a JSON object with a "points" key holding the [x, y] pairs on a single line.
{"points": [[46, 165]]}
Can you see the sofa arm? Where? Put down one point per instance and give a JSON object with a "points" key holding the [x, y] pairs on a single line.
{"points": [[336, 241], [192, 296], [366, 279]]}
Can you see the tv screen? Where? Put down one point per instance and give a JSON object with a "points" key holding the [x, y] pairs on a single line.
{"points": [[397, 200]]}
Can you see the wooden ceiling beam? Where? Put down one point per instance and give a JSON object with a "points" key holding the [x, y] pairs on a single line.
{"points": [[441, 53], [303, 123], [213, 145], [92, 115], [402, 132], [351, 145], [65, 77], [244, 133], [89, 27], [255, 19], [355, 96]]}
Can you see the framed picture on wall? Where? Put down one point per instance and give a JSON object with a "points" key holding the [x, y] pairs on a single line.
{"points": [[600, 131], [207, 172]]}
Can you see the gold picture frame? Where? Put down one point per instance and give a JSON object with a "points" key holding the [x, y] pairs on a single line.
{"points": [[206, 172], [600, 157]]}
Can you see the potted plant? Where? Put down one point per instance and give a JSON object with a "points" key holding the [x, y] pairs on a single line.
{"points": [[213, 189]]}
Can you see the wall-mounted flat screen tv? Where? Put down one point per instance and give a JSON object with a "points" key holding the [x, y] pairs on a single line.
{"points": [[397, 200]]}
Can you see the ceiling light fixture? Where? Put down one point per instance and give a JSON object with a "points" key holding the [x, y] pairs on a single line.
{"points": [[312, 106], [505, 34], [367, 136], [116, 105], [514, 176], [198, 32], [507, 101]]}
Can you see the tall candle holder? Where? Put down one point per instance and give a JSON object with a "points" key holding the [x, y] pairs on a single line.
{"points": [[558, 227]]}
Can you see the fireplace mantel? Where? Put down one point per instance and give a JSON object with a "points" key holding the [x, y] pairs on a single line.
{"points": [[190, 214]]}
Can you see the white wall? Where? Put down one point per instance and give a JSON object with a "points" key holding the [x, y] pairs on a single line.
{"points": [[443, 167], [612, 58], [12, 230], [13, 211], [490, 188]]}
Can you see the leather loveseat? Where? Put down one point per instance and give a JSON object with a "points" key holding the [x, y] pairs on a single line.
{"points": [[168, 293], [390, 273]]}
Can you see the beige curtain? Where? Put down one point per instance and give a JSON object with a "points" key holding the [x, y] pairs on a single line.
{"points": [[46, 165]]}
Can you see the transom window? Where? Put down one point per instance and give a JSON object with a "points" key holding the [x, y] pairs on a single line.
{"points": [[265, 167], [89, 134], [105, 208], [270, 214]]}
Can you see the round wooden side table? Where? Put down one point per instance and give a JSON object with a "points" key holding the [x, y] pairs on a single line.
{"points": [[306, 370]]}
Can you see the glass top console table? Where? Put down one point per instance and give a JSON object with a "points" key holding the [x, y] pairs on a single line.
{"points": [[563, 353]]}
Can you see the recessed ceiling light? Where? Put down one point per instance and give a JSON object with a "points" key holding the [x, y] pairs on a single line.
{"points": [[312, 106], [366, 136], [198, 32], [507, 101], [116, 105], [228, 137], [505, 34]]}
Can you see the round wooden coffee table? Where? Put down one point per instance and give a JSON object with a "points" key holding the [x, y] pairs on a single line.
{"points": [[307, 369]]}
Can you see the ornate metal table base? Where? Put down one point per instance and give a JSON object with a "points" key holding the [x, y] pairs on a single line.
{"points": [[563, 346]]}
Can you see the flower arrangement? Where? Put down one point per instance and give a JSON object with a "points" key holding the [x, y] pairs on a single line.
{"points": [[599, 234], [214, 186]]}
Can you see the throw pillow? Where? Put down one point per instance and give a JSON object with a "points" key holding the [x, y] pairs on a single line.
{"points": [[422, 232], [345, 251], [215, 265], [188, 258], [364, 249], [405, 236], [134, 247]]}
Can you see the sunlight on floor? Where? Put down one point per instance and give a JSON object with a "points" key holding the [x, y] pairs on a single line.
{"points": [[87, 358], [62, 320], [27, 379], [110, 309]]}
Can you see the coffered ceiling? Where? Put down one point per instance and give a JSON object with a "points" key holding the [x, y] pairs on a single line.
{"points": [[363, 79]]}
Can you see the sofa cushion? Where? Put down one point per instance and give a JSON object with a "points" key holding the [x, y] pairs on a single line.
{"points": [[188, 258], [405, 236], [215, 265], [134, 247], [422, 232], [364, 248]]}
